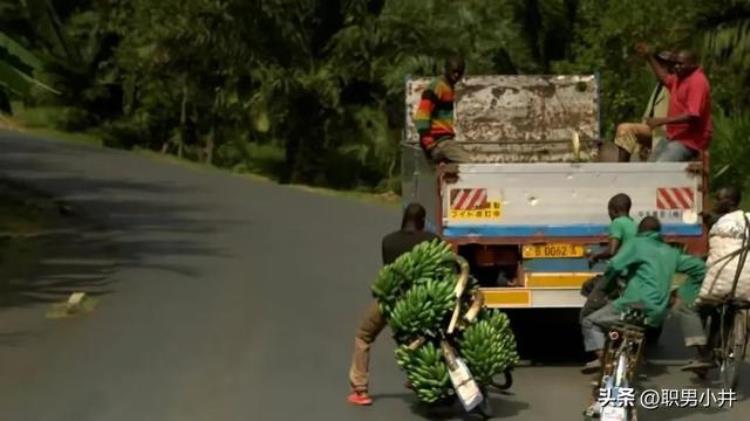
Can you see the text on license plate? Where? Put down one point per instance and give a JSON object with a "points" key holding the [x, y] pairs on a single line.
{"points": [[540, 251]]}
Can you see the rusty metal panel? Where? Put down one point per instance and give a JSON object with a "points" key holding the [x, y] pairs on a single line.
{"points": [[520, 118]]}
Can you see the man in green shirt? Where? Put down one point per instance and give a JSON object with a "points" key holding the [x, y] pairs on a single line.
{"points": [[622, 229], [648, 264]]}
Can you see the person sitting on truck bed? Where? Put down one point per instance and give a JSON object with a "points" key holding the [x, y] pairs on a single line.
{"points": [[688, 121], [621, 230], [434, 116], [691, 299], [394, 245], [648, 264], [637, 139]]}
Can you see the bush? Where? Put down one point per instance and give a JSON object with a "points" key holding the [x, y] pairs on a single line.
{"points": [[74, 119], [249, 157], [123, 134], [730, 149]]}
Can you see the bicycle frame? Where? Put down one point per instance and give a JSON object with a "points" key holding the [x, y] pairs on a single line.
{"points": [[622, 354]]}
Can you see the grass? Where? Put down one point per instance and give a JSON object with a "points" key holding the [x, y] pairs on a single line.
{"points": [[389, 199], [37, 117], [87, 138], [43, 122], [262, 161]]}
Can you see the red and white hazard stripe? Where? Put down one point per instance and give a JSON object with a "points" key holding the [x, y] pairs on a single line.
{"points": [[675, 198], [464, 199]]}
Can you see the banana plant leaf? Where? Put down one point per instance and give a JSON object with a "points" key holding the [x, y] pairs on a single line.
{"points": [[16, 68]]}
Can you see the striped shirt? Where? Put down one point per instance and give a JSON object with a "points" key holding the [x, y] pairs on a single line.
{"points": [[434, 116]]}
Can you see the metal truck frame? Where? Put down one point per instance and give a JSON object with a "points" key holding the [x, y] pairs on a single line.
{"points": [[525, 219]]}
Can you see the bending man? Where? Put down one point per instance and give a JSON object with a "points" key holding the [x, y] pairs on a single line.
{"points": [[394, 245]]}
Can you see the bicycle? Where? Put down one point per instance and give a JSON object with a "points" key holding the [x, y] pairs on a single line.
{"points": [[729, 344], [622, 353]]}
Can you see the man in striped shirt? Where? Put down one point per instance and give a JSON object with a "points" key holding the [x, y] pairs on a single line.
{"points": [[434, 116]]}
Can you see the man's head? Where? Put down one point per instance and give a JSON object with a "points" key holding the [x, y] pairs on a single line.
{"points": [[649, 224], [686, 62], [414, 215], [619, 205], [727, 200], [454, 69], [667, 59]]}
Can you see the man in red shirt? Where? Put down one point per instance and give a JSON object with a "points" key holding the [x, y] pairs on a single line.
{"points": [[688, 120]]}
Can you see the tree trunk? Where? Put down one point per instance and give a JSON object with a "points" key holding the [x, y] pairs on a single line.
{"points": [[183, 117], [292, 157], [210, 142]]}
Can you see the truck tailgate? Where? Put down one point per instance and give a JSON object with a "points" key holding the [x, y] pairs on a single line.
{"points": [[566, 199]]}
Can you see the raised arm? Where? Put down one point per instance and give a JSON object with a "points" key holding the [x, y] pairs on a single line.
{"points": [[644, 50]]}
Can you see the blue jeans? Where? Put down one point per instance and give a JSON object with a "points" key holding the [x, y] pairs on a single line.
{"points": [[691, 324], [593, 333], [672, 151]]}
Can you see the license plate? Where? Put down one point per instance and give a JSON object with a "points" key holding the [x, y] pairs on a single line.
{"points": [[546, 251]]}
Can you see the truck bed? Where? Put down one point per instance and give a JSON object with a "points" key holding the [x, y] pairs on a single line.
{"points": [[527, 201]]}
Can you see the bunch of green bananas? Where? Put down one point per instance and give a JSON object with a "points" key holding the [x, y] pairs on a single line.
{"points": [[427, 260], [426, 371], [488, 346], [417, 295], [388, 288], [423, 309]]}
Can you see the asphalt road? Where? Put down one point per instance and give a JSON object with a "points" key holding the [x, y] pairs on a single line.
{"points": [[224, 298]]}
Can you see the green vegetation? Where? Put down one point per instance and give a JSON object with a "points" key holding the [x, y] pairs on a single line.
{"points": [[311, 91]]}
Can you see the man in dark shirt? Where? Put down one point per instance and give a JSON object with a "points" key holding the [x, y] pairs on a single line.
{"points": [[394, 245]]}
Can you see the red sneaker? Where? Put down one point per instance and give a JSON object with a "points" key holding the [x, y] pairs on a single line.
{"points": [[359, 398]]}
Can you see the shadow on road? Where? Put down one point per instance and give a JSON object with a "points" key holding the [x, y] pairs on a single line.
{"points": [[502, 407], [113, 222], [50, 268]]}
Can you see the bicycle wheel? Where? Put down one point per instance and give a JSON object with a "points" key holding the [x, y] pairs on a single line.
{"points": [[733, 349], [619, 380]]}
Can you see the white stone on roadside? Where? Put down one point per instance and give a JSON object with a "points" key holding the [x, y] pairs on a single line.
{"points": [[75, 300]]}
